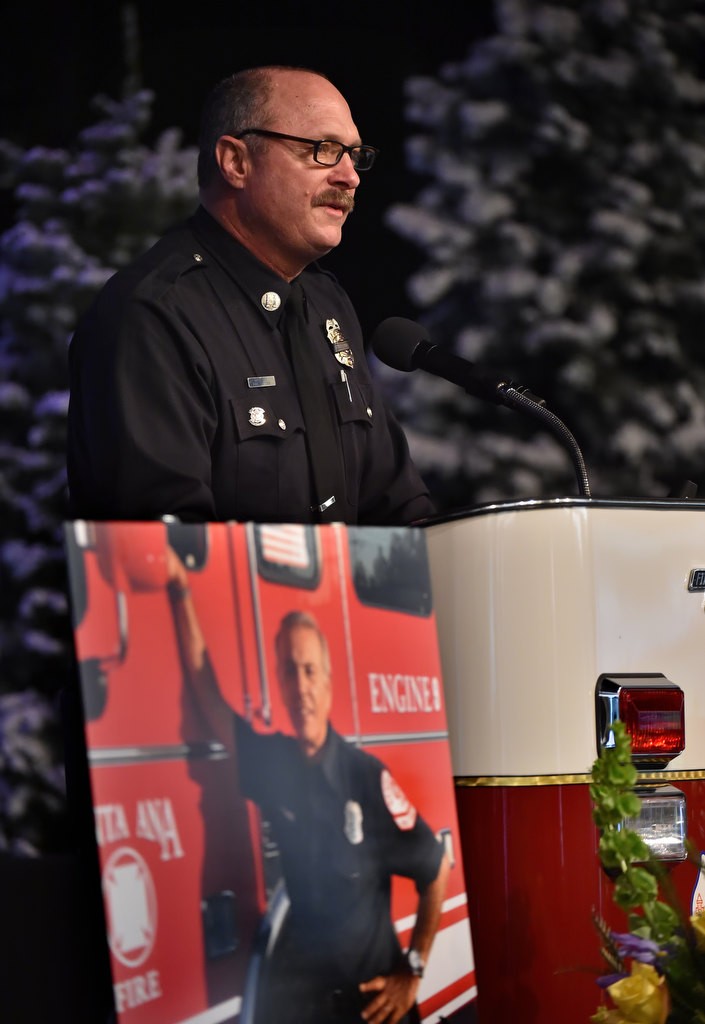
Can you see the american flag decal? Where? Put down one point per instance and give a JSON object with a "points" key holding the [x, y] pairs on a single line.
{"points": [[285, 545]]}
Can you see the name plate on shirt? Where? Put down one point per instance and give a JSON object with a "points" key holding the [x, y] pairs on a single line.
{"points": [[261, 382]]}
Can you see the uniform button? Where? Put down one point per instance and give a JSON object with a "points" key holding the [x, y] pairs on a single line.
{"points": [[270, 301], [282, 424], [197, 257], [369, 411]]}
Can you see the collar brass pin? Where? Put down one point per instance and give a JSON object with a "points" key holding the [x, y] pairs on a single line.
{"points": [[341, 348]]}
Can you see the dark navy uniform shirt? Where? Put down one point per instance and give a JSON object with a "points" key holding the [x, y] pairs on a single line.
{"points": [[165, 415], [344, 829]]}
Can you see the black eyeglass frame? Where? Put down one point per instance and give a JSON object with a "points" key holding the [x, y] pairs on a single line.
{"points": [[370, 151]]}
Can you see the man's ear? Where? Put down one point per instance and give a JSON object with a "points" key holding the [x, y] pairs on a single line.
{"points": [[233, 159]]}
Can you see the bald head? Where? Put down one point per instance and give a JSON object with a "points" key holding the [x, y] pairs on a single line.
{"points": [[240, 101]]}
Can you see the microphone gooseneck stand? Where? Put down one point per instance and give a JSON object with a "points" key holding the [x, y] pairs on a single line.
{"points": [[536, 408]]}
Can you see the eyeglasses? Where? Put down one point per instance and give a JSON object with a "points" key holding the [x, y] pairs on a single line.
{"points": [[325, 151]]}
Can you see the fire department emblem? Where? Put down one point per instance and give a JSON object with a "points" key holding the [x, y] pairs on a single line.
{"points": [[397, 803], [131, 907], [257, 416], [353, 822], [341, 348]]}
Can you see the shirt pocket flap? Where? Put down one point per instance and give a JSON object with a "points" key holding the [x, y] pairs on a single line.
{"points": [[353, 401], [276, 418]]}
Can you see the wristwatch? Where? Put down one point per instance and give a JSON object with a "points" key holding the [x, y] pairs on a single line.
{"points": [[415, 962]]}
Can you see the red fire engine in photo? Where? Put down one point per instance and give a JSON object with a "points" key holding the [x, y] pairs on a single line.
{"points": [[190, 878], [555, 619]]}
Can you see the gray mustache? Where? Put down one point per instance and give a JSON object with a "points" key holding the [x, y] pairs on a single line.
{"points": [[334, 197]]}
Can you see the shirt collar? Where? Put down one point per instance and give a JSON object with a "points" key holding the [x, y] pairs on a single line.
{"points": [[254, 278]]}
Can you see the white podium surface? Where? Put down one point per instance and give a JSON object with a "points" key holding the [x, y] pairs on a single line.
{"points": [[536, 599]]}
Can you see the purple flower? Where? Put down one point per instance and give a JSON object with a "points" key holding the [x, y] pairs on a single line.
{"points": [[634, 946]]}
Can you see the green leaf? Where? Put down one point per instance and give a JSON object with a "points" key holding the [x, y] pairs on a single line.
{"points": [[634, 888], [662, 919]]}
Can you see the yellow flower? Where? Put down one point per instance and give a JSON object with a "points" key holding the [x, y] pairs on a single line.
{"points": [[642, 998], [604, 1016], [698, 923]]}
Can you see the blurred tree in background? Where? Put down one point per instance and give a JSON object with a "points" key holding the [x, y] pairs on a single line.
{"points": [[563, 238], [81, 213]]}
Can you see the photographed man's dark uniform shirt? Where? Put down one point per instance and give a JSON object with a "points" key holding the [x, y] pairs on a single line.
{"points": [[344, 829], [183, 399]]}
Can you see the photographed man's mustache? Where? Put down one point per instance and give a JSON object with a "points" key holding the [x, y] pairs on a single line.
{"points": [[335, 197]]}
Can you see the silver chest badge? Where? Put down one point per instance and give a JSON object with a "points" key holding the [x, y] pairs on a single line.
{"points": [[353, 822], [257, 416], [341, 348]]}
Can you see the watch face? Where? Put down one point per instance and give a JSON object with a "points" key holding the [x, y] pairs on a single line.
{"points": [[415, 962]]}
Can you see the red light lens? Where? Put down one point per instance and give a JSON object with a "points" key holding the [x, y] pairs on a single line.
{"points": [[654, 719]]}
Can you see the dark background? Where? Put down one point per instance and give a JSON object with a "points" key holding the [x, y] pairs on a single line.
{"points": [[54, 57]]}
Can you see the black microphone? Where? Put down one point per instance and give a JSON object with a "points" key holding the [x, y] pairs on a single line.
{"points": [[405, 345]]}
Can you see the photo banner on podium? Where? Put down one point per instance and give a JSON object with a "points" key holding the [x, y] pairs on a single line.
{"points": [[270, 770]]}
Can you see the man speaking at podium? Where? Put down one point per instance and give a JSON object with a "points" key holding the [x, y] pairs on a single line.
{"points": [[222, 375]]}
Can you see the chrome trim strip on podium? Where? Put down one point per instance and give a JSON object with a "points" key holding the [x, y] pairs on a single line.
{"points": [[529, 504]]}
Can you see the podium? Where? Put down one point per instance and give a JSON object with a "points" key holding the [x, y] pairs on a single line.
{"points": [[535, 602]]}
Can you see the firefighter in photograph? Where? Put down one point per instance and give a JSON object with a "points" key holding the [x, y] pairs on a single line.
{"points": [[344, 829]]}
